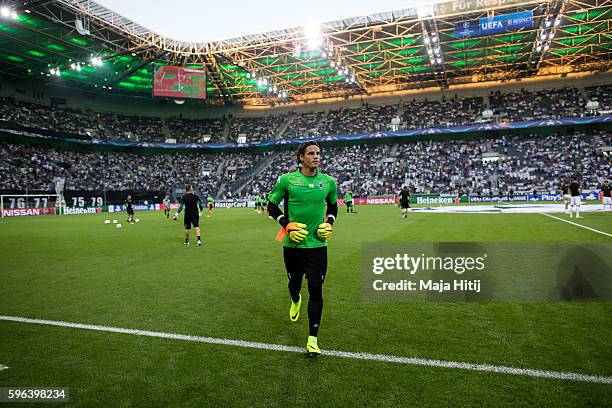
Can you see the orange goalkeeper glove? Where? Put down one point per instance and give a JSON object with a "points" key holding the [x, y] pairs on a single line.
{"points": [[324, 232], [296, 231]]}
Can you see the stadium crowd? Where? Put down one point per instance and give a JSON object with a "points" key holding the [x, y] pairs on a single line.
{"points": [[256, 128], [524, 164], [546, 104], [303, 124], [369, 118], [25, 167], [195, 130], [141, 128], [514, 106]]}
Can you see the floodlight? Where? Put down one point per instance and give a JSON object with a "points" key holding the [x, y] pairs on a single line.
{"points": [[425, 12], [313, 36]]}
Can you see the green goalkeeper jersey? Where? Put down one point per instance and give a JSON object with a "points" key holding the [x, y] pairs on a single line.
{"points": [[306, 199], [348, 196]]}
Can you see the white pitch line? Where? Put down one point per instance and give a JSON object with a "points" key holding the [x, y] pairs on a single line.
{"points": [[3, 367], [528, 372], [578, 225]]}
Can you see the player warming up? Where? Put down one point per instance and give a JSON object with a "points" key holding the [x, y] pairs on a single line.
{"points": [[575, 200], [130, 209], [404, 201], [211, 205], [606, 198], [310, 209], [348, 199], [565, 195], [166, 202], [258, 204], [192, 205]]}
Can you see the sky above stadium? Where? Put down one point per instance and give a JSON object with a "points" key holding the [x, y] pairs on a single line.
{"points": [[197, 20]]}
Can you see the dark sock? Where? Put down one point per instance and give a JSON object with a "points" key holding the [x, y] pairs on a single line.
{"points": [[186, 240], [315, 306], [199, 238], [294, 289]]}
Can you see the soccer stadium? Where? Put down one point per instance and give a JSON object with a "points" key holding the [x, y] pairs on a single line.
{"points": [[371, 204]]}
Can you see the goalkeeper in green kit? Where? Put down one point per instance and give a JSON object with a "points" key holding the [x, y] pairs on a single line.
{"points": [[310, 209], [348, 200]]}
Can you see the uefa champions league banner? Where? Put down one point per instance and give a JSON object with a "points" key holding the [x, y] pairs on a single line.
{"points": [[587, 195], [494, 24], [497, 199], [9, 128]]}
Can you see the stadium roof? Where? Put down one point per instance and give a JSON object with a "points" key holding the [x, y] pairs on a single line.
{"points": [[382, 52], [197, 20]]}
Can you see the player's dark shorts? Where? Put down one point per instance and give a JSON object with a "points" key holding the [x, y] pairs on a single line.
{"points": [[211, 206], [349, 203], [130, 211], [405, 203], [191, 220], [311, 262]]}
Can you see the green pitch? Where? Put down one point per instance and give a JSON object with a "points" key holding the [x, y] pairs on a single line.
{"points": [[76, 269]]}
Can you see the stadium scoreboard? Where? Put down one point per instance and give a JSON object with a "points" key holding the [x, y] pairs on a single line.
{"points": [[179, 82]]}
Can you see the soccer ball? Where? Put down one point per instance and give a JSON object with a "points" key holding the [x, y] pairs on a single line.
{"points": [[107, 221], [114, 221], [119, 226], [137, 220]]}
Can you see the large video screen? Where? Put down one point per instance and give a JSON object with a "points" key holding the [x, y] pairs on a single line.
{"points": [[179, 82]]}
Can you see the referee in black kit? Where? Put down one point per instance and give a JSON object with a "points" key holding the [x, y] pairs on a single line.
{"points": [[193, 205], [404, 201]]}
